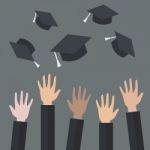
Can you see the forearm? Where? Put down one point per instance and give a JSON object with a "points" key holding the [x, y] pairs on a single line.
{"points": [[135, 130], [105, 136], [19, 135], [75, 134], [47, 127]]}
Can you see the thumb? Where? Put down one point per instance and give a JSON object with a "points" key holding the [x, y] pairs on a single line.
{"points": [[69, 105], [140, 96], [98, 106], [57, 93], [12, 110], [115, 113]]}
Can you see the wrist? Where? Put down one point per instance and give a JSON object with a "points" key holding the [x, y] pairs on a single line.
{"points": [[132, 109], [77, 116], [21, 120], [105, 121], [47, 103]]}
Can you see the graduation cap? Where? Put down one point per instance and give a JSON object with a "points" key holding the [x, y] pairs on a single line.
{"points": [[44, 20], [71, 48], [24, 49], [101, 15], [122, 45]]}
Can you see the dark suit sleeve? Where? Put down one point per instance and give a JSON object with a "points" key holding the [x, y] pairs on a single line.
{"points": [[47, 127], [75, 134], [135, 131], [105, 136], [19, 135]]}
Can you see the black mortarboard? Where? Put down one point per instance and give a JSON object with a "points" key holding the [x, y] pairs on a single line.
{"points": [[101, 15], [122, 45], [71, 47], [44, 20], [24, 49]]}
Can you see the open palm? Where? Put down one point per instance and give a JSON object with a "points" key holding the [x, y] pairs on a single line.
{"points": [[48, 91], [22, 107], [105, 110], [131, 95]]}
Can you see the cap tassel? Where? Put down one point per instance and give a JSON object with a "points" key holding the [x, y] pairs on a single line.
{"points": [[57, 60], [34, 19], [109, 38], [37, 65], [85, 20]]}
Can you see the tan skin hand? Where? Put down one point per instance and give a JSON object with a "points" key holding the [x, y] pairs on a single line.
{"points": [[22, 107], [79, 102], [131, 95], [48, 91], [106, 109]]}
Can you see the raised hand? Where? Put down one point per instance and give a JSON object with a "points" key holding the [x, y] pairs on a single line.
{"points": [[106, 109], [131, 95], [48, 91], [22, 108], [79, 102]]}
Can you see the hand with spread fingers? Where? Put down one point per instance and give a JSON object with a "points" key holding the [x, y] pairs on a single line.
{"points": [[22, 108], [48, 91], [131, 95], [79, 102], [106, 110]]}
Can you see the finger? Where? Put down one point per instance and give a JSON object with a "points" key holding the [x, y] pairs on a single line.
{"points": [[16, 101], [112, 103], [12, 110], [69, 105], [57, 93], [140, 96], [26, 99], [88, 98], [98, 105], [115, 113], [49, 81], [84, 94], [44, 82], [39, 85], [79, 93], [21, 98], [126, 86], [131, 85], [107, 100], [121, 90], [73, 94], [30, 103], [54, 84], [136, 86], [102, 101]]}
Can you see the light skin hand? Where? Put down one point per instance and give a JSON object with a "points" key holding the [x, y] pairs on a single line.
{"points": [[131, 95], [48, 91], [22, 108], [79, 102], [106, 110]]}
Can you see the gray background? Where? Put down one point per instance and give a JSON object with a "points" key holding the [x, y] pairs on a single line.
{"points": [[101, 70]]}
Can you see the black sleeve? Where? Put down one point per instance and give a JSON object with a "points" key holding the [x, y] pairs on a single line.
{"points": [[135, 131], [105, 136], [19, 135], [75, 134], [47, 127]]}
